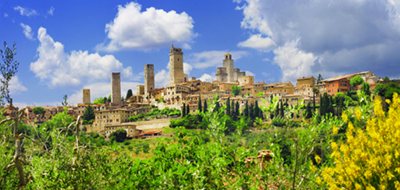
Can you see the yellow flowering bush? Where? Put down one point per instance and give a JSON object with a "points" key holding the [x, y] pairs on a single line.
{"points": [[370, 158]]}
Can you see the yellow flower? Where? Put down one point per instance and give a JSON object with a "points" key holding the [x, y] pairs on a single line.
{"points": [[335, 130], [334, 146], [317, 159], [313, 168], [344, 117], [319, 181], [387, 101], [358, 114]]}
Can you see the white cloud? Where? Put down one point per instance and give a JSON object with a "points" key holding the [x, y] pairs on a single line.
{"points": [[258, 42], [5, 15], [149, 29], [51, 10], [161, 78], [57, 68], [26, 11], [186, 68], [207, 77], [207, 59], [15, 86], [294, 62], [343, 35], [248, 73], [35, 104], [265, 74], [186, 46], [27, 31]]}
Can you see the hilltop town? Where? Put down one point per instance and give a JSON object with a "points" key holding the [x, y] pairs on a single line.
{"points": [[185, 90]]}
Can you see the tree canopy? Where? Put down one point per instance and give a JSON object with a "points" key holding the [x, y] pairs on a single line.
{"points": [[118, 135], [39, 110], [355, 81], [8, 68], [88, 114], [236, 90], [128, 94]]}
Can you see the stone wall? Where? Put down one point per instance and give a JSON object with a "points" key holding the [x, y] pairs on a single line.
{"points": [[157, 123]]}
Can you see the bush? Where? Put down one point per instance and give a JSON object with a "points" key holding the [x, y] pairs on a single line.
{"points": [[278, 121], [146, 147], [130, 148], [118, 135]]}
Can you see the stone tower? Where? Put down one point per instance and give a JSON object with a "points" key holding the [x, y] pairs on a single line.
{"points": [[148, 78], [221, 75], [236, 74], [86, 96], [228, 64], [115, 88], [176, 65]]}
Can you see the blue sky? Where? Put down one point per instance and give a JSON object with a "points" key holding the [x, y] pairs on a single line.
{"points": [[65, 46]]}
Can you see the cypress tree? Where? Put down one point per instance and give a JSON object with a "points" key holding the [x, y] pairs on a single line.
{"points": [[330, 106], [256, 110], [260, 114], [308, 111], [183, 110], [233, 109], [237, 109], [187, 109], [217, 107], [199, 105], [228, 107], [251, 112], [313, 99], [322, 105], [205, 106], [282, 110], [246, 109]]}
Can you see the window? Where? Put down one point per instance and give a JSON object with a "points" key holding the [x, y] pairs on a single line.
{"points": [[117, 120], [333, 85], [329, 90], [110, 120]]}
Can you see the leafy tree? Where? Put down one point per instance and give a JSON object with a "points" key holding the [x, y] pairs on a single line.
{"points": [[199, 103], [319, 78], [282, 110], [187, 109], [105, 100], [65, 103], [386, 79], [330, 105], [233, 109], [8, 69], [260, 94], [340, 97], [237, 107], [256, 110], [322, 105], [246, 109], [183, 110], [39, 110], [251, 112], [365, 89], [118, 135], [380, 89], [236, 90], [99, 101], [109, 98], [88, 114], [128, 94], [355, 81]]}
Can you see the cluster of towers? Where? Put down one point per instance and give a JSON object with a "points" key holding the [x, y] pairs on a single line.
{"points": [[227, 73]]}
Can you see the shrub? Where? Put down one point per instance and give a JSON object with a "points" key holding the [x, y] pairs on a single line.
{"points": [[146, 147], [130, 148], [278, 121], [118, 135]]}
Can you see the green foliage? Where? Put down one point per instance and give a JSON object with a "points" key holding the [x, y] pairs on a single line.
{"points": [[39, 110], [65, 103], [8, 69], [88, 114], [236, 90], [365, 89], [161, 100], [199, 104], [278, 122], [386, 79], [308, 111], [118, 135], [319, 78], [128, 94], [356, 80], [99, 101], [183, 110], [109, 98], [260, 94]]}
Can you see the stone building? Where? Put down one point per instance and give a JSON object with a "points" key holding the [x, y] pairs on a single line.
{"points": [[148, 79], [228, 64], [86, 96], [176, 65], [115, 88], [140, 89], [221, 75], [227, 73]]}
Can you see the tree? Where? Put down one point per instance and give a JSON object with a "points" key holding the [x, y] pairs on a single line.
{"points": [[308, 111], [233, 109], [380, 89], [246, 109], [65, 103], [339, 100], [237, 109], [205, 106], [118, 135], [236, 90], [386, 79], [282, 110], [315, 92], [122, 98], [128, 94], [330, 105], [256, 110], [88, 114], [322, 106], [8, 69], [355, 81], [187, 109], [228, 107], [199, 103], [319, 78], [39, 110], [183, 110], [365, 89], [251, 112], [260, 94], [109, 98], [99, 101]]}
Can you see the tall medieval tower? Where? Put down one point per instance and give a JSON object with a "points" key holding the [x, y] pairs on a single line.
{"points": [[115, 88], [176, 65], [148, 78], [86, 96], [228, 64]]}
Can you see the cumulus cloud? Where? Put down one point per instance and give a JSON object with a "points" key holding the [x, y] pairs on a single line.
{"points": [[207, 77], [144, 30], [161, 78], [186, 68], [27, 31], [57, 68], [51, 10], [207, 59], [26, 11], [5, 15], [327, 36], [15, 86], [258, 42]]}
